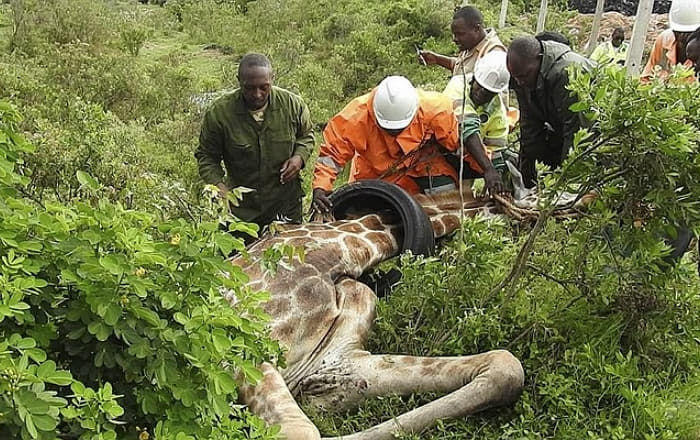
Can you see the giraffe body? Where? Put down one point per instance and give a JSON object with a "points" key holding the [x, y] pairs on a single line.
{"points": [[323, 316]]}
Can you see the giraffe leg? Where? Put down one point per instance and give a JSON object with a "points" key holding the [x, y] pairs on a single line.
{"points": [[474, 383], [272, 401]]}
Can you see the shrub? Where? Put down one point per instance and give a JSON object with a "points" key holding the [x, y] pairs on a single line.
{"points": [[111, 320]]}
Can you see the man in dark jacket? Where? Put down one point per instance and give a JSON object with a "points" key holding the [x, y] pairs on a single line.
{"points": [[539, 70], [263, 134]]}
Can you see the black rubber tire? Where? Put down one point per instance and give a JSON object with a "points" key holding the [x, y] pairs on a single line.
{"points": [[368, 196]]}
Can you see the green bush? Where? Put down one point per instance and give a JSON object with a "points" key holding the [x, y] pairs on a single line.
{"points": [[111, 320]]}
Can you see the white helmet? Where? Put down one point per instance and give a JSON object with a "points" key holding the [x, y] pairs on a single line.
{"points": [[684, 15], [395, 103], [491, 71]]}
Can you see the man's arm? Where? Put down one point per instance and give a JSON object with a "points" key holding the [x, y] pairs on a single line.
{"points": [[477, 153], [209, 153], [532, 138], [334, 153], [570, 120], [304, 144], [431, 57]]}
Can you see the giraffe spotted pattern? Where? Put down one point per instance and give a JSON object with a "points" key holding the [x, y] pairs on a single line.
{"points": [[322, 315]]}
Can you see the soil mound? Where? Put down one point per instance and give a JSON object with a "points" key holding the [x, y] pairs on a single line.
{"points": [[580, 26]]}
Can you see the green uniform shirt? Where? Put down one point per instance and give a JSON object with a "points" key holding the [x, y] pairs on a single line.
{"points": [[253, 152]]}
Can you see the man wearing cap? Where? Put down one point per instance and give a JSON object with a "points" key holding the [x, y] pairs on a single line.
{"points": [[670, 46], [398, 134]]}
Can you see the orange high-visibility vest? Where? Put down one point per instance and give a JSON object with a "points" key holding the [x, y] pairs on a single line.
{"points": [[353, 134]]}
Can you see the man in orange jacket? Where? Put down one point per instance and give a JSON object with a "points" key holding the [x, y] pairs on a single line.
{"points": [[396, 133]]}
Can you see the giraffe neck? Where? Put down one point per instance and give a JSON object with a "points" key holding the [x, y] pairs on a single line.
{"points": [[446, 210]]}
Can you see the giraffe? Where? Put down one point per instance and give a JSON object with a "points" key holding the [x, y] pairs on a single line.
{"points": [[322, 315]]}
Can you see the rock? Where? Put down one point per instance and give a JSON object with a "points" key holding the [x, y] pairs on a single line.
{"points": [[627, 7]]}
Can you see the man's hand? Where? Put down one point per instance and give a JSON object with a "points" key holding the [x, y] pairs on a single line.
{"points": [[493, 181], [290, 169], [320, 201], [427, 56], [223, 190]]}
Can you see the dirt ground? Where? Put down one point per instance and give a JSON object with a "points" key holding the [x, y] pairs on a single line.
{"points": [[581, 25]]}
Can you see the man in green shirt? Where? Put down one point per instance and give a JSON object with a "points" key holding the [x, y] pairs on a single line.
{"points": [[263, 135]]}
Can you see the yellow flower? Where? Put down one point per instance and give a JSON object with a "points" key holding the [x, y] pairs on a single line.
{"points": [[175, 240], [140, 272], [144, 435]]}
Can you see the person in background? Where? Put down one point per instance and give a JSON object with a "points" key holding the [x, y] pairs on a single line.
{"points": [[692, 51], [613, 51], [398, 134], [480, 109], [670, 47], [540, 72], [263, 135], [472, 39]]}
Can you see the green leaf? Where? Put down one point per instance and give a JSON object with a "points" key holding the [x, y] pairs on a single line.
{"points": [[113, 264], [112, 314], [87, 180], [100, 330], [31, 403], [147, 315], [25, 343], [113, 409], [224, 382], [221, 340], [29, 423], [45, 422]]}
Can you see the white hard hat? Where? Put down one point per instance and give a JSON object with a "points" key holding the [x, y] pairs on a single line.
{"points": [[684, 15], [491, 71], [395, 103]]}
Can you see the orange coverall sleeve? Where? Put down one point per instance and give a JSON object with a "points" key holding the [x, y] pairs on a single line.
{"points": [[334, 153], [444, 125], [655, 56]]}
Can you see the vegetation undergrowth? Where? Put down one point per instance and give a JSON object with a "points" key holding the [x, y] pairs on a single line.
{"points": [[111, 321]]}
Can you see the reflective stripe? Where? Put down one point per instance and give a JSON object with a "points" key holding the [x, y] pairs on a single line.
{"points": [[327, 161], [440, 189], [496, 142]]}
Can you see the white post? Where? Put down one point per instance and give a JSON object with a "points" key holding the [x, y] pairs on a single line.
{"points": [[502, 17], [541, 17], [636, 49], [595, 29]]}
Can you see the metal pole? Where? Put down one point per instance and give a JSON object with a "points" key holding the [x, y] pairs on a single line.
{"points": [[542, 16], [595, 30], [502, 17], [636, 49]]}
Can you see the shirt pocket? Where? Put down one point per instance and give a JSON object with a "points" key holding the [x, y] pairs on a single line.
{"points": [[281, 146], [241, 160]]}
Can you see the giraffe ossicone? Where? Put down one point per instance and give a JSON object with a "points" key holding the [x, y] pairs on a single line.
{"points": [[322, 316]]}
